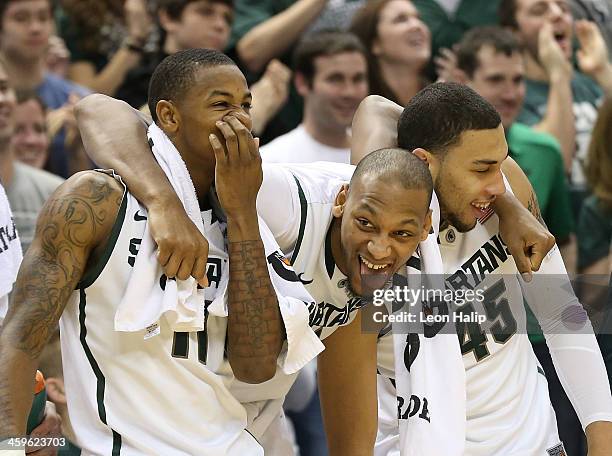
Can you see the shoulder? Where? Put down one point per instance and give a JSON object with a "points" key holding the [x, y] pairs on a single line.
{"points": [[283, 148], [585, 88], [55, 90]]}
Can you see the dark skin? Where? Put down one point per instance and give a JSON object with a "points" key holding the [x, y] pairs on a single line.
{"points": [[75, 223]]}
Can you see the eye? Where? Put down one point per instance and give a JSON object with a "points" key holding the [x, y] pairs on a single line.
{"points": [[365, 223], [221, 104], [403, 234], [482, 171], [247, 106]]}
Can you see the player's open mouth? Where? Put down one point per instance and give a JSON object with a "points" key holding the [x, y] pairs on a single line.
{"points": [[373, 267], [481, 207]]}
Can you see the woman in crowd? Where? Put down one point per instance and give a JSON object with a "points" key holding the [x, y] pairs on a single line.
{"points": [[30, 141], [398, 45]]}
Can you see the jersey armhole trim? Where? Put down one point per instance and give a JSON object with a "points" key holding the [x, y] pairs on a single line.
{"points": [[303, 215], [94, 272]]}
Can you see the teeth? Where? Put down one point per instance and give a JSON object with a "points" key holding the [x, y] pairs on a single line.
{"points": [[372, 265], [481, 205]]}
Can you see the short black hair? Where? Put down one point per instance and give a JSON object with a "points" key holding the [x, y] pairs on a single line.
{"points": [[499, 38], [323, 43], [176, 73], [506, 14], [174, 8], [396, 165], [437, 116]]}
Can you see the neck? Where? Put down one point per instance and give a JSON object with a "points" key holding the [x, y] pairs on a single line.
{"points": [[405, 81], [170, 45], [24, 74], [336, 245], [7, 164], [330, 135], [533, 69]]}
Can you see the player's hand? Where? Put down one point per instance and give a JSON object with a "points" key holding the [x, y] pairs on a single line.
{"points": [[551, 55], [182, 250], [527, 239], [238, 173], [51, 427], [593, 54]]}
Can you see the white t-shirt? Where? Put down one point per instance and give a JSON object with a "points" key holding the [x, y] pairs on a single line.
{"points": [[10, 252], [298, 146]]}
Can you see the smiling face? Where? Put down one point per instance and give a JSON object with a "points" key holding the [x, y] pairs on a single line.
{"points": [[499, 79], [401, 35], [531, 15], [468, 178], [216, 92], [380, 226], [30, 141], [338, 85]]}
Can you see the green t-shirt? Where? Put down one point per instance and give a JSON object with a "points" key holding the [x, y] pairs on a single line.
{"points": [[594, 232], [539, 156], [587, 96]]}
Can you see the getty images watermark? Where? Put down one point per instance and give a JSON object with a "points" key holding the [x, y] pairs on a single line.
{"points": [[410, 299]]}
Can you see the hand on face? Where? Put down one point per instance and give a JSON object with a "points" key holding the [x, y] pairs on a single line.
{"points": [[238, 172], [593, 54], [550, 54]]}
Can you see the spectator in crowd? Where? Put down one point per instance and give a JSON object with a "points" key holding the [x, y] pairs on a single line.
{"points": [[30, 141], [398, 47], [27, 187], [207, 24], [24, 38], [559, 100], [107, 39], [490, 58], [331, 75], [268, 29]]}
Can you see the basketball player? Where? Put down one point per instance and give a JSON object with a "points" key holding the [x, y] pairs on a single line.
{"points": [[508, 408], [166, 392], [299, 204]]}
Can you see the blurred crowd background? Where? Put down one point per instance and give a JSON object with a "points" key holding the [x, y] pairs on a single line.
{"points": [[543, 64]]}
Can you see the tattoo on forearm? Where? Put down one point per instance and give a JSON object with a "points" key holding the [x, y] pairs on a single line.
{"points": [[254, 327], [68, 224], [534, 208]]}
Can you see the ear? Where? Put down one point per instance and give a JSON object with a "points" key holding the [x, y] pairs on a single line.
{"points": [[426, 225], [340, 201], [166, 22], [55, 390], [168, 117], [301, 84], [423, 155]]}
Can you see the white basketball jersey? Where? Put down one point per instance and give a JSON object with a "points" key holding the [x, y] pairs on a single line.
{"points": [[508, 405], [164, 394]]}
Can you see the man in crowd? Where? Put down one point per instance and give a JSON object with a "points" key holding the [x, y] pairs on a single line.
{"points": [[331, 75]]}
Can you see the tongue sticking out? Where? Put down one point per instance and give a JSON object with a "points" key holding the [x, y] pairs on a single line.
{"points": [[373, 279]]}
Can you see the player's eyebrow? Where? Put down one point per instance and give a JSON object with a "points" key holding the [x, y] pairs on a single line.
{"points": [[488, 162], [408, 221], [224, 93]]}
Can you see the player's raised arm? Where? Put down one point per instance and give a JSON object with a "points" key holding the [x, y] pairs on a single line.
{"points": [[347, 388], [75, 220], [255, 328], [115, 137], [374, 126]]}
